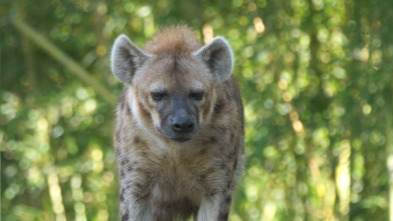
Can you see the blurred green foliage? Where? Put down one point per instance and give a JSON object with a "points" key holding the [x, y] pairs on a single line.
{"points": [[316, 77]]}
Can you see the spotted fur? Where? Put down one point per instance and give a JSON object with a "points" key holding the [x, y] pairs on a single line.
{"points": [[166, 174]]}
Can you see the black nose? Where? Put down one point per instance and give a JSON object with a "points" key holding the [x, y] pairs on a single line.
{"points": [[182, 123]]}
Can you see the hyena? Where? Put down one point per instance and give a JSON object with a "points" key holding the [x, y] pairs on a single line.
{"points": [[179, 127]]}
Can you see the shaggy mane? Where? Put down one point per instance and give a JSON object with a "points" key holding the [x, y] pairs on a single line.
{"points": [[172, 40]]}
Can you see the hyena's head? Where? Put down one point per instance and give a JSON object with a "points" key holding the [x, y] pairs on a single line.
{"points": [[172, 82]]}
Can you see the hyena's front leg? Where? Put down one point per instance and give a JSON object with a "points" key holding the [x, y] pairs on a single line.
{"points": [[215, 208], [134, 192], [133, 207]]}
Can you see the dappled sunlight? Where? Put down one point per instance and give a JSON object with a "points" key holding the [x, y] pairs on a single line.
{"points": [[56, 196], [390, 167], [269, 211], [208, 35], [258, 25], [343, 179], [315, 78]]}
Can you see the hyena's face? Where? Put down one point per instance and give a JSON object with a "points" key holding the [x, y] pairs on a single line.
{"points": [[176, 94], [172, 93]]}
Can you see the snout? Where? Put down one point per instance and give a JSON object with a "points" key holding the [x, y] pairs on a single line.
{"points": [[182, 126], [182, 123]]}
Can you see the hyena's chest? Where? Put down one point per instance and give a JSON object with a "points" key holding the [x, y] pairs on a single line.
{"points": [[189, 173], [177, 183]]}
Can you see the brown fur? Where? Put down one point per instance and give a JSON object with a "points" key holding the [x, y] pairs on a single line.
{"points": [[174, 40], [164, 180]]}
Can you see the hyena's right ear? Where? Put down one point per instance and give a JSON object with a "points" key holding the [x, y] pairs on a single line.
{"points": [[126, 58]]}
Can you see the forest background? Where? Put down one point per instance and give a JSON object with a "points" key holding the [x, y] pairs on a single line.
{"points": [[316, 78]]}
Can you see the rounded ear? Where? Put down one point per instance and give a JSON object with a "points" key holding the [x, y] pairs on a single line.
{"points": [[218, 57], [126, 58]]}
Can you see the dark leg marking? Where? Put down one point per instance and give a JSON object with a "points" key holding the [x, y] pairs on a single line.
{"points": [[232, 137], [125, 217], [137, 139], [228, 200], [128, 110], [122, 195], [223, 216], [124, 161], [130, 168], [235, 164]]}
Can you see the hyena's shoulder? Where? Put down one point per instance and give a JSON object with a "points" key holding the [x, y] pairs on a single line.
{"points": [[228, 109]]}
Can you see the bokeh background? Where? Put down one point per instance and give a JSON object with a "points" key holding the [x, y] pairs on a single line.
{"points": [[316, 77]]}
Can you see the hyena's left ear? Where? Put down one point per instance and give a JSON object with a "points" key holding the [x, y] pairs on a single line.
{"points": [[126, 58], [218, 57]]}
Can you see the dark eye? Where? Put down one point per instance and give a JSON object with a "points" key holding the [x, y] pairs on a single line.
{"points": [[196, 95], [158, 95]]}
